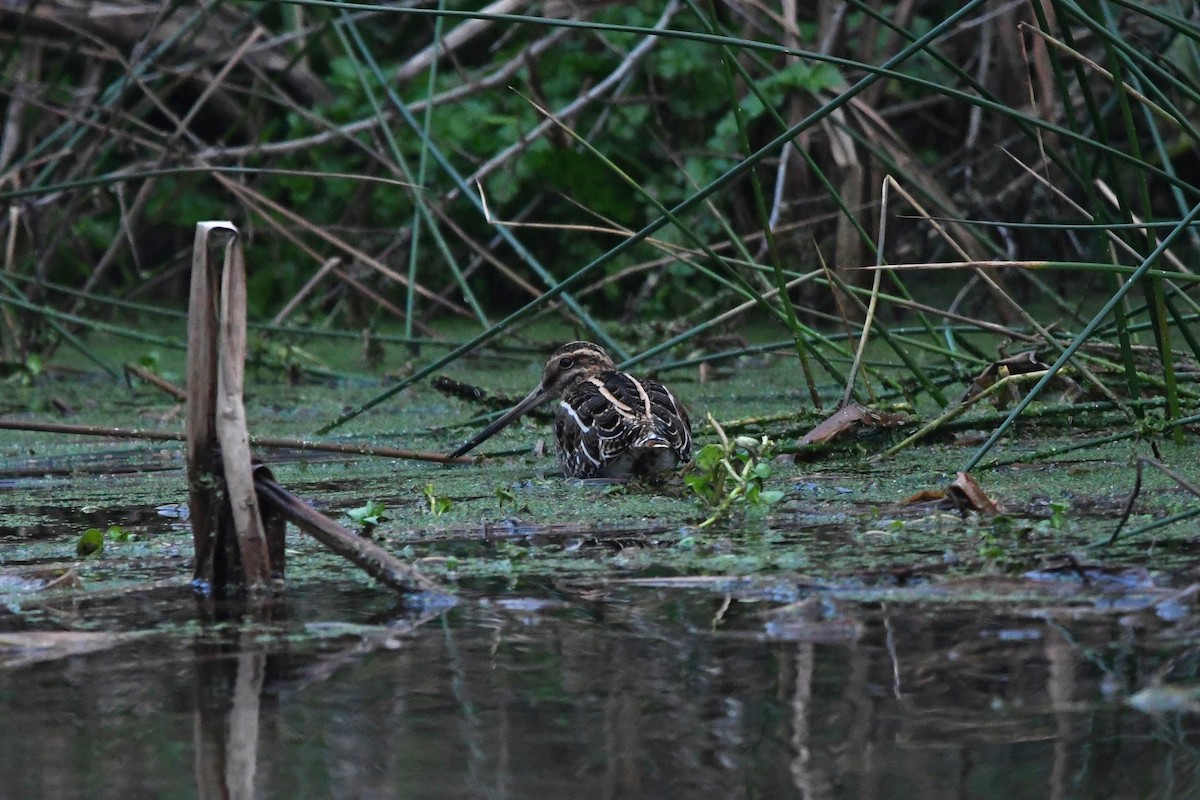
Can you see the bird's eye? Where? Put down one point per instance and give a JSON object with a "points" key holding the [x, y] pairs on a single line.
{"points": [[566, 363]]}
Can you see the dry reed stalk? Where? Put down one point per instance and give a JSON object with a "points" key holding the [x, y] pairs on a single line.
{"points": [[368, 556], [232, 433], [305, 290], [227, 527], [158, 382], [270, 442], [201, 422], [230, 527]]}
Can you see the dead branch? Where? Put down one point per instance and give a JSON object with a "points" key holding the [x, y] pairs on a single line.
{"points": [[370, 557], [266, 442]]}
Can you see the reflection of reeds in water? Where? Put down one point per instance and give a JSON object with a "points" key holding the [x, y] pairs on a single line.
{"points": [[631, 695], [229, 684]]}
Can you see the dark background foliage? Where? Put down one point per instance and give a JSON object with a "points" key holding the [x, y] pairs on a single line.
{"points": [[369, 135]]}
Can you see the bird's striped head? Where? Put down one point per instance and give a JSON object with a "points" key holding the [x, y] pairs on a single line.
{"points": [[573, 362]]}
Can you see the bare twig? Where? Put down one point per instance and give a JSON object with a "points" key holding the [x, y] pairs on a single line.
{"points": [[581, 102], [266, 442], [309, 285], [348, 131], [1142, 463], [156, 381], [454, 39]]}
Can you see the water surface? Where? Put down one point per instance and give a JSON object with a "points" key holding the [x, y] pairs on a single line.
{"points": [[624, 692]]}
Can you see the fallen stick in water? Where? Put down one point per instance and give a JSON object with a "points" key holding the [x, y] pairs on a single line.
{"points": [[269, 442]]}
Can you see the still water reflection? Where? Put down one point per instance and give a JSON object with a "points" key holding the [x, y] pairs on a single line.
{"points": [[638, 692]]}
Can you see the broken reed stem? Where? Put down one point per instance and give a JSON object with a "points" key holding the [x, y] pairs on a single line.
{"points": [[368, 556], [233, 434], [162, 384], [270, 442], [955, 411], [201, 425]]}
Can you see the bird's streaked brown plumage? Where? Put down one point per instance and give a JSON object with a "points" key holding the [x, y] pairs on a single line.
{"points": [[609, 424]]}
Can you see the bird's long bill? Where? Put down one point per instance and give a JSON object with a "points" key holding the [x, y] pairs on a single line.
{"points": [[532, 400]]}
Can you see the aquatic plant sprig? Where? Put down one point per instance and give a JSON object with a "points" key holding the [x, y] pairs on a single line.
{"points": [[732, 472], [368, 516], [436, 503]]}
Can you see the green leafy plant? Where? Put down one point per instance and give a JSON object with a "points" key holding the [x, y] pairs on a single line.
{"points": [[505, 495], [24, 372], [368, 516], [151, 361], [732, 472], [91, 543], [1058, 514], [437, 505]]}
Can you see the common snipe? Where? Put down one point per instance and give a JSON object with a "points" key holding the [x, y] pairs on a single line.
{"points": [[609, 424]]}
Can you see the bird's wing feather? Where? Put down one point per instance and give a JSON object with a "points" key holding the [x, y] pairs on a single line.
{"points": [[601, 418], [670, 419]]}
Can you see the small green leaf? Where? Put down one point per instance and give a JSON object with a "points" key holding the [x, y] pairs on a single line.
{"points": [[748, 443], [90, 543], [1058, 514], [437, 505], [770, 496], [370, 514], [701, 485], [709, 456], [150, 360]]}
